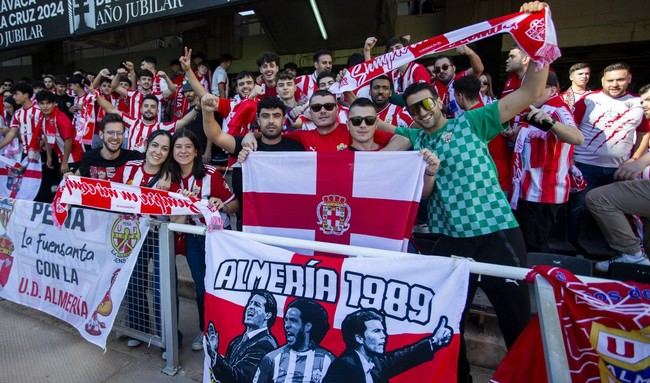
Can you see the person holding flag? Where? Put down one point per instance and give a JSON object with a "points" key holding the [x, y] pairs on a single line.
{"points": [[466, 206]]}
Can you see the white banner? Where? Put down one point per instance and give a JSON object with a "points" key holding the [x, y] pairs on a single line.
{"points": [[418, 299], [78, 273]]}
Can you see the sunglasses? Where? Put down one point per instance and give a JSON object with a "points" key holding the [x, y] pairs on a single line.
{"points": [[485, 83], [426, 104], [317, 107], [440, 68], [356, 121]]}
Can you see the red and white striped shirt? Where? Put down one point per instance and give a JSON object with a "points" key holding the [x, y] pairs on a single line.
{"points": [[26, 119], [609, 126], [132, 173], [84, 118], [158, 85], [395, 115], [57, 128], [135, 98], [138, 131], [286, 365], [414, 73], [211, 185], [545, 160], [307, 84]]}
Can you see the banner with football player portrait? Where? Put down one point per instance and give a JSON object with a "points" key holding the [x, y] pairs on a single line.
{"points": [[273, 315], [77, 273]]}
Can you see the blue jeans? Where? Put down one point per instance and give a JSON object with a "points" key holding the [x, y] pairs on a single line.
{"points": [[136, 294], [195, 255], [595, 176]]}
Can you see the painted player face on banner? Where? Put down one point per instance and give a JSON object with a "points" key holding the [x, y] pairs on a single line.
{"points": [[295, 330], [255, 316], [374, 338]]}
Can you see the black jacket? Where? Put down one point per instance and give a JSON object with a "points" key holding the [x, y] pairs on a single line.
{"points": [[347, 367], [242, 358]]}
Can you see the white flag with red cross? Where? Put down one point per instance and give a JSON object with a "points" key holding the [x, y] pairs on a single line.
{"points": [[355, 198]]}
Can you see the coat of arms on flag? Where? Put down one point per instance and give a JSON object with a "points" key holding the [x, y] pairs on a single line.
{"points": [[358, 198], [20, 180]]}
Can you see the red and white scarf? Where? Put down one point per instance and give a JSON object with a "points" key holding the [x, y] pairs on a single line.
{"points": [[121, 198], [533, 32]]}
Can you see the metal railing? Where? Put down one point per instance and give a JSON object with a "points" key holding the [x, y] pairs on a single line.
{"points": [[149, 311]]}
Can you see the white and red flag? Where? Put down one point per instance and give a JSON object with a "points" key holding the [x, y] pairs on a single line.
{"points": [[121, 198], [605, 327], [416, 296], [355, 198], [533, 32], [20, 180]]}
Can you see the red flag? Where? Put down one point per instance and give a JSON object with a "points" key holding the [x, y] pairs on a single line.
{"points": [[605, 327]]}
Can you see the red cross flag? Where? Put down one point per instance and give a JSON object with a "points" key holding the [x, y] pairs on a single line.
{"points": [[20, 180], [358, 198]]}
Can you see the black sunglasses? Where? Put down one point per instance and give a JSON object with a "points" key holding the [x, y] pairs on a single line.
{"points": [[439, 68], [485, 83], [356, 121], [329, 106]]}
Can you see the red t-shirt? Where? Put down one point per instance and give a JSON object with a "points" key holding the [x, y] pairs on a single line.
{"points": [[337, 140], [57, 128]]}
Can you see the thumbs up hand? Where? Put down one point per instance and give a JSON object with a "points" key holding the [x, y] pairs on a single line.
{"points": [[441, 336]]}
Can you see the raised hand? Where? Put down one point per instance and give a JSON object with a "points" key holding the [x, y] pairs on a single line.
{"points": [[441, 336]]}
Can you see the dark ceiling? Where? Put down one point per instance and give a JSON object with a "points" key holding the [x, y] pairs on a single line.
{"points": [[292, 27]]}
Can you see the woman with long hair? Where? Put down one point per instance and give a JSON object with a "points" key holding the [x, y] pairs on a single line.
{"points": [[152, 172], [487, 95], [191, 177]]}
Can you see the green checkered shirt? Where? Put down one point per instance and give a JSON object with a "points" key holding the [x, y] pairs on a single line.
{"points": [[467, 200]]}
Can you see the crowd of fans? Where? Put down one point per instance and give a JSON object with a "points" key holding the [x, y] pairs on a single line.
{"points": [[499, 169]]}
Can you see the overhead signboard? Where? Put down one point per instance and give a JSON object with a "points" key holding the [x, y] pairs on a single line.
{"points": [[26, 22]]}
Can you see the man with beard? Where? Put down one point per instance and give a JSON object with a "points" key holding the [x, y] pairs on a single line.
{"points": [[609, 204], [445, 75], [308, 83], [381, 89], [301, 359], [270, 118], [140, 129], [102, 163], [466, 207], [245, 351], [612, 123], [365, 358]]}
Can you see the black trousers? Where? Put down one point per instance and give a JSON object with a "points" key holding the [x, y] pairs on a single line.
{"points": [[509, 299]]}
